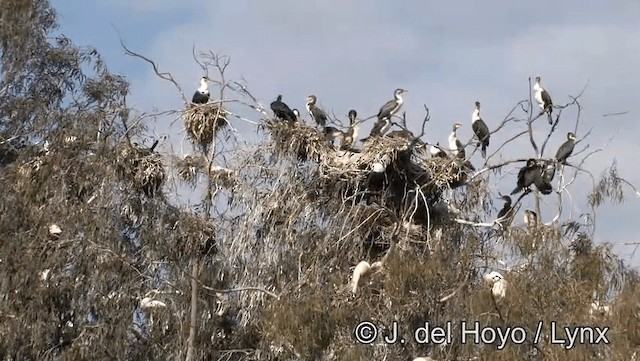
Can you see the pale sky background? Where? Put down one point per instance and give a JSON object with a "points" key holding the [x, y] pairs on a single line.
{"points": [[353, 54]]}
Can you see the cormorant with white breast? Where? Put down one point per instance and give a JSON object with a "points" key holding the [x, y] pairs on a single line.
{"points": [[385, 113], [282, 110], [566, 149], [352, 133], [201, 96], [543, 98], [455, 144], [436, 151], [480, 129], [317, 114], [530, 218], [296, 112]]}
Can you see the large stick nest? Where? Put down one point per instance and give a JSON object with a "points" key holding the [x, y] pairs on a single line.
{"points": [[190, 167], [143, 168], [297, 140], [203, 121]]}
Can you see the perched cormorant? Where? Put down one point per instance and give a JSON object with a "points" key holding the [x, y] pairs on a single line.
{"points": [[544, 99], [506, 208], [480, 129], [282, 110], [566, 149], [296, 112], [530, 218], [352, 133], [317, 114], [333, 133], [437, 151], [549, 171], [201, 96], [543, 185], [527, 175], [455, 144], [392, 106]]}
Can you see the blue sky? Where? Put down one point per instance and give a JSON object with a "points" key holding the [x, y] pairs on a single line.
{"points": [[354, 54]]}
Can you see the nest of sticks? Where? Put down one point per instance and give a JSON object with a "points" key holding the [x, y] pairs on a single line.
{"points": [[189, 167], [196, 236], [143, 168], [203, 121], [297, 140], [445, 173]]}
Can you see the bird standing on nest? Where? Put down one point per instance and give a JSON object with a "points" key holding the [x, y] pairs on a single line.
{"points": [[282, 110], [296, 112], [530, 218], [455, 144], [201, 96], [317, 114], [352, 133], [436, 151], [544, 99], [385, 113], [480, 129]]}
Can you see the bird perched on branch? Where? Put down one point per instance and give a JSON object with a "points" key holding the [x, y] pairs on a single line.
{"points": [[566, 149], [317, 114], [498, 284], [544, 99], [282, 110], [201, 96], [527, 176], [506, 211], [352, 133], [385, 113], [455, 144], [480, 129]]}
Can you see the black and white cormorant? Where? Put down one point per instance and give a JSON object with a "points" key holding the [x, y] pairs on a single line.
{"points": [[480, 129], [282, 110], [436, 151], [530, 218], [333, 133], [566, 149], [352, 133], [296, 112], [317, 114], [544, 99], [385, 113], [201, 96], [455, 144]]}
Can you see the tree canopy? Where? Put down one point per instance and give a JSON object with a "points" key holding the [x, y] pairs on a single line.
{"points": [[297, 247]]}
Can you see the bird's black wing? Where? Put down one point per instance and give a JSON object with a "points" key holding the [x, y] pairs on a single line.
{"points": [[385, 110], [319, 115], [546, 98], [199, 98], [565, 151]]}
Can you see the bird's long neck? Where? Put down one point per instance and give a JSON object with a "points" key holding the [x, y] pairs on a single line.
{"points": [[476, 115], [203, 86], [453, 139], [399, 99]]}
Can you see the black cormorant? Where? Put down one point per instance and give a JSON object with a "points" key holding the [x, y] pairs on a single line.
{"points": [[201, 96], [544, 99], [506, 208], [480, 129], [282, 110], [549, 171], [455, 144], [527, 175], [566, 149], [317, 114]]}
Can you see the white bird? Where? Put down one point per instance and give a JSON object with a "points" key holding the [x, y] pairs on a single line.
{"points": [[148, 302], [543, 98], [436, 151], [498, 284], [54, 230], [362, 270]]}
